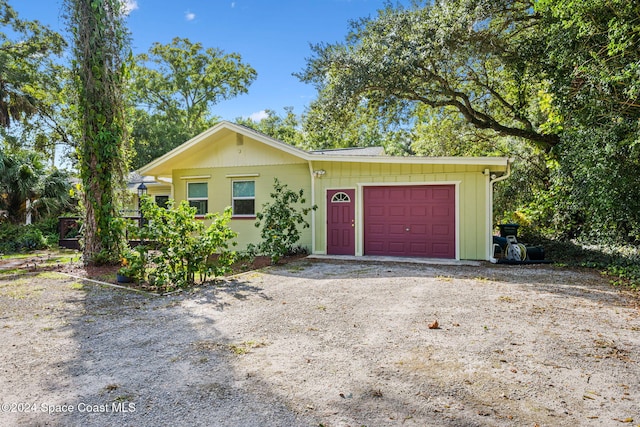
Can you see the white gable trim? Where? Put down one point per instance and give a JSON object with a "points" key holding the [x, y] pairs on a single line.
{"points": [[242, 130]]}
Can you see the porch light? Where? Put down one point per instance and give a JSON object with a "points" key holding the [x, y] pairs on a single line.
{"points": [[142, 190]]}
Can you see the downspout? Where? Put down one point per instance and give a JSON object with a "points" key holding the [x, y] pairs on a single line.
{"points": [[492, 181], [313, 211]]}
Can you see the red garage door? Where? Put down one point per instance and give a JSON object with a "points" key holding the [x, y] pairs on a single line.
{"points": [[414, 220]]}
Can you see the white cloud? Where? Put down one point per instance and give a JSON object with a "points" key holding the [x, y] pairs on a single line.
{"points": [[259, 116], [129, 6], [189, 16]]}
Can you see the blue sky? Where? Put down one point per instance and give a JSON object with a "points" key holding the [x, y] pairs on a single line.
{"points": [[272, 36]]}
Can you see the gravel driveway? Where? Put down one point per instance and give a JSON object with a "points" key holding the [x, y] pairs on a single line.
{"points": [[319, 343]]}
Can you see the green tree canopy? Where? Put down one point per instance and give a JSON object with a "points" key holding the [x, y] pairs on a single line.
{"points": [[285, 128], [174, 88], [475, 56], [25, 47], [593, 65], [362, 126], [593, 58]]}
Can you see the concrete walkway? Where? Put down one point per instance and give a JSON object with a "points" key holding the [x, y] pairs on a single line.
{"points": [[408, 260]]}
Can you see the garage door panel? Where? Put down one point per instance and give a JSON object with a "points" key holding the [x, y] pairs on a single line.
{"points": [[397, 211], [419, 211], [418, 229], [397, 194], [377, 194], [376, 246], [377, 211], [441, 194], [397, 246], [418, 247], [441, 212], [441, 230], [416, 220], [419, 194], [396, 229], [377, 228], [441, 250]]}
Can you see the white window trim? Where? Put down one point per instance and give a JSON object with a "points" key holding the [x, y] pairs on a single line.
{"points": [[233, 199], [196, 199]]}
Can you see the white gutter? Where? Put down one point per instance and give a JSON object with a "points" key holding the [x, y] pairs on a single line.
{"points": [[492, 181]]}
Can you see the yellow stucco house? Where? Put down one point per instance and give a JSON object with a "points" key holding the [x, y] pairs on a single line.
{"points": [[368, 203]]}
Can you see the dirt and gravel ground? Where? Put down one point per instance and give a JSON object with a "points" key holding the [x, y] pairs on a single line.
{"points": [[317, 343]]}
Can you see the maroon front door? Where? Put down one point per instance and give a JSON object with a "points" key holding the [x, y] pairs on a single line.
{"points": [[341, 229], [411, 220]]}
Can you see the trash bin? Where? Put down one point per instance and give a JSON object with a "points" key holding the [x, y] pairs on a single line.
{"points": [[508, 230], [536, 253]]}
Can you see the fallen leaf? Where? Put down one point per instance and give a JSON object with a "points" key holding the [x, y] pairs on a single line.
{"points": [[434, 325]]}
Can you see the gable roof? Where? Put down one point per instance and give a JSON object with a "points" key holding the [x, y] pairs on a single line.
{"points": [[156, 165], [160, 166]]}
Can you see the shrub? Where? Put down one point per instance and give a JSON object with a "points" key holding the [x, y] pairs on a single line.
{"points": [[620, 262], [21, 238], [175, 246], [279, 220]]}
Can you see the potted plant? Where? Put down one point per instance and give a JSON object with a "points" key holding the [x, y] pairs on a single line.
{"points": [[124, 272], [131, 267]]}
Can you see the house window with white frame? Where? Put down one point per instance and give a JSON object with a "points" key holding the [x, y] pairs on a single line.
{"points": [[243, 196], [198, 196]]}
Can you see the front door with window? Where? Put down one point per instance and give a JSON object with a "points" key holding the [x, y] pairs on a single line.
{"points": [[341, 222]]}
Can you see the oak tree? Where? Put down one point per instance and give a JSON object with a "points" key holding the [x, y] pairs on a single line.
{"points": [[174, 88]]}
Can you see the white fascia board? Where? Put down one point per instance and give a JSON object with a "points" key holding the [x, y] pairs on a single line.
{"points": [[483, 161]]}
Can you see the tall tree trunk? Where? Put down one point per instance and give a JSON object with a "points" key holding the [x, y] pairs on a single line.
{"points": [[100, 43]]}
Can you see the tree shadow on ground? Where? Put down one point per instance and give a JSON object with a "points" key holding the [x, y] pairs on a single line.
{"points": [[123, 358]]}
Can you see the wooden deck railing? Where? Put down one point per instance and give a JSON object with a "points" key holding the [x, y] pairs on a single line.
{"points": [[70, 230]]}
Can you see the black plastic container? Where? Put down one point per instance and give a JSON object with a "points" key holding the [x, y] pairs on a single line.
{"points": [[508, 230], [535, 253]]}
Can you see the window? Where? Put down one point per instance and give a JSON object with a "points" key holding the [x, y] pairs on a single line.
{"points": [[244, 198], [162, 201], [198, 196], [340, 198]]}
